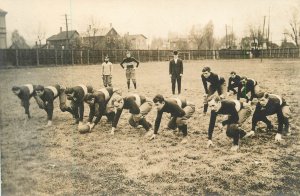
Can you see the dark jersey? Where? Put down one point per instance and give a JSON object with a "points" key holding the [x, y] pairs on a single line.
{"points": [[233, 82], [129, 62], [50, 94], [26, 92], [273, 106], [228, 107], [101, 98], [174, 106], [131, 103], [248, 87], [214, 80]]}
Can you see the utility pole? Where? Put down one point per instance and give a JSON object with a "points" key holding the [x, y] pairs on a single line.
{"points": [[262, 42], [226, 36], [268, 30], [67, 33]]}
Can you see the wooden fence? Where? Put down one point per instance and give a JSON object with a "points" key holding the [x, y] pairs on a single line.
{"points": [[32, 57]]}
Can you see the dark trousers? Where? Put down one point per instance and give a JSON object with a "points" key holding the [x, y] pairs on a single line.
{"points": [[173, 80], [234, 132]]}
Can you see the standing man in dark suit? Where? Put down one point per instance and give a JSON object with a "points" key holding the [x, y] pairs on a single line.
{"points": [[176, 72]]}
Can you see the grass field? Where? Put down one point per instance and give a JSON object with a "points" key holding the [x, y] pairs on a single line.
{"points": [[60, 161]]}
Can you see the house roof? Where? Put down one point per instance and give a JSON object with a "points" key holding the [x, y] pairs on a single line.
{"points": [[137, 35], [62, 35]]}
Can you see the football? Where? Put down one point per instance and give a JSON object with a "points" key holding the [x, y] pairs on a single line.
{"points": [[84, 128]]}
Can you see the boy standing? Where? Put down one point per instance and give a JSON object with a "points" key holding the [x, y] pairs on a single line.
{"points": [[107, 68]]}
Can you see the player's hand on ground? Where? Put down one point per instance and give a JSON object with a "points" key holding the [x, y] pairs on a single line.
{"points": [[249, 134], [278, 137], [234, 148], [91, 125], [209, 144], [149, 133], [112, 132], [49, 124], [153, 137]]}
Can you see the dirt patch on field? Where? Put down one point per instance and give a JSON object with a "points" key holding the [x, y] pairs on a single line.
{"points": [[60, 161]]}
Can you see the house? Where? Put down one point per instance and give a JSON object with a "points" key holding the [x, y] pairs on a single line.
{"points": [[63, 40], [3, 42], [105, 38], [138, 41]]}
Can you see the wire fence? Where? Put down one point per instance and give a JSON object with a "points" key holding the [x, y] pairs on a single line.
{"points": [[37, 57]]}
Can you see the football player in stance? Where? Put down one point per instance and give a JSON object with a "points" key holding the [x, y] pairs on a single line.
{"points": [[47, 95], [237, 113], [247, 85], [129, 64], [180, 109], [268, 105], [77, 95], [100, 104], [212, 83], [138, 105], [233, 82], [24, 92]]}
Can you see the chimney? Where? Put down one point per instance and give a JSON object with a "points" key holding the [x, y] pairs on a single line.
{"points": [[110, 25], [60, 29]]}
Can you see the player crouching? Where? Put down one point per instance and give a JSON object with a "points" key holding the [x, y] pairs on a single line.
{"points": [[237, 113], [180, 110], [77, 95], [45, 97], [100, 104], [24, 92], [268, 105], [138, 105]]}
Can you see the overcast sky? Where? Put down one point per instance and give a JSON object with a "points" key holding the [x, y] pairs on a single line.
{"points": [[153, 18]]}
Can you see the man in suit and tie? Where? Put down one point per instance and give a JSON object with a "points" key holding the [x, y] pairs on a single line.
{"points": [[176, 72]]}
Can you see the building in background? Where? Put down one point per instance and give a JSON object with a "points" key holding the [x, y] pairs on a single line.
{"points": [[3, 41], [105, 38], [138, 42], [64, 40]]}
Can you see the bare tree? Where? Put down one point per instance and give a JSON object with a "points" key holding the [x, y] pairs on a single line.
{"points": [[18, 41], [41, 35], [157, 43], [197, 36], [256, 33], [93, 29], [209, 35], [294, 23]]}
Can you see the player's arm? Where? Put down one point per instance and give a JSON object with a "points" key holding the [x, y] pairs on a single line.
{"points": [[157, 121], [101, 112], [122, 63], [212, 123], [136, 61], [204, 84]]}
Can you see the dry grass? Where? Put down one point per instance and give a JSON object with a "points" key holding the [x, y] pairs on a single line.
{"points": [[60, 161]]}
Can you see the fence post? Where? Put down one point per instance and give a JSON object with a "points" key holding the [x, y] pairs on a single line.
{"points": [[157, 54], [138, 55], [17, 57], [81, 57], [72, 57], [37, 57], [88, 57], [62, 57], [55, 53]]}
